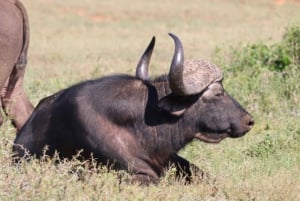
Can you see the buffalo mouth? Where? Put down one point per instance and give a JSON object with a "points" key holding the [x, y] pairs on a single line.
{"points": [[211, 137]]}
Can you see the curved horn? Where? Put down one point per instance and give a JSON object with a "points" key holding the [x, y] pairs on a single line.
{"points": [[142, 67], [176, 69], [190, 77]]}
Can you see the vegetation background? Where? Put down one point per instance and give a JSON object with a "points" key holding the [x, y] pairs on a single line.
{"points": [[257, 45]]}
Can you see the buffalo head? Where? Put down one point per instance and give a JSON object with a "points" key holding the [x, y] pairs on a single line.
{"points": [[197, 94]]}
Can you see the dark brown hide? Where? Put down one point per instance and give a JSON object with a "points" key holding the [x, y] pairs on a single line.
{"points": [[117, 119], [14, 40], [131, 123]]}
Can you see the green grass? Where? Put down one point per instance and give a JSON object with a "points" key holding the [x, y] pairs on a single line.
{"points": [[78, 40]]}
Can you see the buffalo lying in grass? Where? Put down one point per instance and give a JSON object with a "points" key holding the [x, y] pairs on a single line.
{"points": [[134, 123]]}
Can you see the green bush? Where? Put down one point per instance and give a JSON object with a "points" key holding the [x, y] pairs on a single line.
{"points": [[265, 79], [276, 57], [269, 74], [292, 41]]}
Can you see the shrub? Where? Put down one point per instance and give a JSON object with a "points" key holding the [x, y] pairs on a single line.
{"points": [[291, 39], [265, 79], [269, 74]]}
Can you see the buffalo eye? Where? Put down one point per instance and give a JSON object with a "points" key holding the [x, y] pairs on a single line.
{"points": [[215, 90], [220, 93]]}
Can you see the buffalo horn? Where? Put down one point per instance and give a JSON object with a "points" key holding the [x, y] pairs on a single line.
{"points": [[190, 77], [142, 67]]}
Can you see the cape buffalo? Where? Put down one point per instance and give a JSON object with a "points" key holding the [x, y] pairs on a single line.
{"points": [[136, 123], [14, 40]]}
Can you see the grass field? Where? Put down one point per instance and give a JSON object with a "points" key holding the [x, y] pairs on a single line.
{"points": [[73, 41]]}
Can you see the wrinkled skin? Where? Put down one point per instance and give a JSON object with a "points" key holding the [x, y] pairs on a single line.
{"points": [[14, 39]]}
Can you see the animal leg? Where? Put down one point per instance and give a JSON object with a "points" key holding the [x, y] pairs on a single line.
{"points": [[143, 173], [185, 169], [15, 102], [2, 92]]}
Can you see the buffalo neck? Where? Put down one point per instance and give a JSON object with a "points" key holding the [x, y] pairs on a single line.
{"points": [[169, 131]]}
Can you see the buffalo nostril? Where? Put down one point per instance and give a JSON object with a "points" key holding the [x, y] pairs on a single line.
{"points": [[250, 123]]}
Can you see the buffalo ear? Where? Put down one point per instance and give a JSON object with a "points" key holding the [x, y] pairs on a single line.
{"points": [[175, 104]]}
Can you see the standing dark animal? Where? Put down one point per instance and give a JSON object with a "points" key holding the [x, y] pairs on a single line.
{"points": [[14, 40], [135, 123]]}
